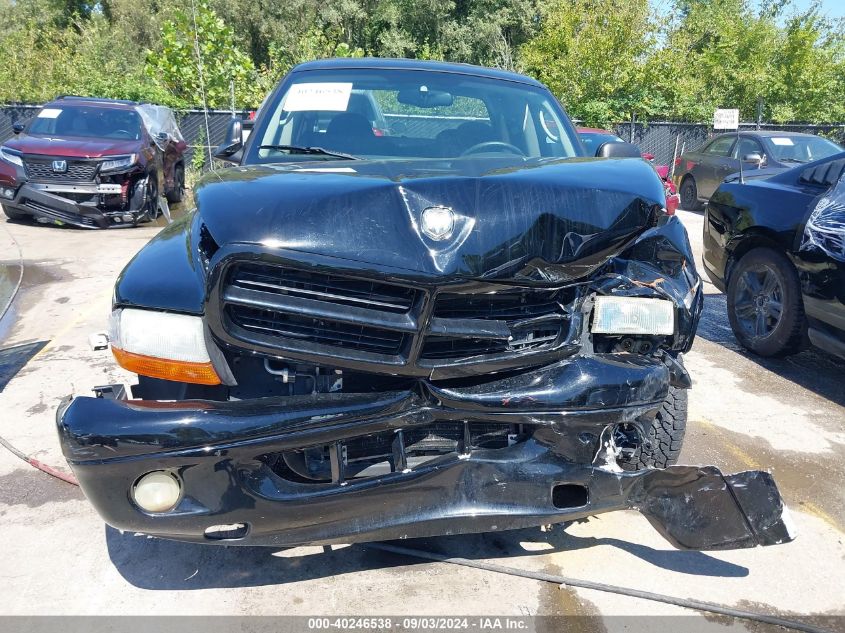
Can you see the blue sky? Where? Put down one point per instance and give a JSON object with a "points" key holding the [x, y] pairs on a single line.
{"points": [[830, 8]]}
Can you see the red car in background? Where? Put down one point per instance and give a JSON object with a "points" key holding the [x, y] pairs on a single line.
{"points": [[592, 138], [92, 163]]}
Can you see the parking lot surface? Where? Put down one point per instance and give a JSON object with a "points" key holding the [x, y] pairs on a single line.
{"points": [[57, 557]]}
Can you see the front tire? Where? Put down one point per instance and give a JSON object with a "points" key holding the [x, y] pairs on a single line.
{"points": [[150, 193], [765, 308], [689, 194], [663, 440]]}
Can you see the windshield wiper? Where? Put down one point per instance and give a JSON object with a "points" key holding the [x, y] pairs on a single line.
{"points": [[792, 160], [299, 149]]}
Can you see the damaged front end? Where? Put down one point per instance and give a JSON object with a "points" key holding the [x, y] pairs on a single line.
{"points": [[88, 193], [433, 408], [363, 467]]}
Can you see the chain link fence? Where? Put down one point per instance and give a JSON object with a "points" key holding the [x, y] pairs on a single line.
{"points": [[667, 139], [663, 139]]}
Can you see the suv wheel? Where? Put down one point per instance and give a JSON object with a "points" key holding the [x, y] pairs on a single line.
{"points": [[150, 211], [178, 192], [689, 195], [764, 304]]}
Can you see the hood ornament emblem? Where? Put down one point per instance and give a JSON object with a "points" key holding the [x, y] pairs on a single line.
{"points": [[438, 223]]}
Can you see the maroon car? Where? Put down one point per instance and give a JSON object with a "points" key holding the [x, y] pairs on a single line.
{"points": [[93, 163]]}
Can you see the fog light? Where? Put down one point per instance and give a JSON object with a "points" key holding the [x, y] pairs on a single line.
{"points": [[157, 492], [7, 193]]}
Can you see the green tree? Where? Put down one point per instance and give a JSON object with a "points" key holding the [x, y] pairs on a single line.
{"points": [[593, 54], [199, 57]]}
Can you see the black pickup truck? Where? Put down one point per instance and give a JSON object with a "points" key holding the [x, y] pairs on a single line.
{"points": [[414, 307]]}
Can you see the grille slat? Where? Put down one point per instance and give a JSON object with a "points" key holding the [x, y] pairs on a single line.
{"points": [[509, 308], [317, 330], [77, 170], [334, 288]]}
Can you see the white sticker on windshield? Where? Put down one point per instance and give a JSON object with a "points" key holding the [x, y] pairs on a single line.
{"points": [[318, 96], [49, 113], [782, 140]]}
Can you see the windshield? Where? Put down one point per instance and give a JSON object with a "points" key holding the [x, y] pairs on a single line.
{"points": [[87, 121], [593, 140], [375, 113], [801, 149]]}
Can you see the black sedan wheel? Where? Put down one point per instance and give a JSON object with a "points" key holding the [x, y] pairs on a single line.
{"points": [[764, 304], [689, 195]]}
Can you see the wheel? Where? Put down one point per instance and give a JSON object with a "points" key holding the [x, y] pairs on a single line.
{"points": [[178, 192], [689, 194], [764, 304], [15, 215], [150, 209], [663, 439]]}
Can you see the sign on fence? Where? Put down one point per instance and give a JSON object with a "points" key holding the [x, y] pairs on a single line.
{"points": [[726, 120]]}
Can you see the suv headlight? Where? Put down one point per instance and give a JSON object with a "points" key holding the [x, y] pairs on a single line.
{"points": [[633, 315], [162, 345], [118, 162], [11, 156]]}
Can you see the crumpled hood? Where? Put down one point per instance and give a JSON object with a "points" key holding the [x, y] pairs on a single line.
{"points": [[550, 220], [72, 148]]}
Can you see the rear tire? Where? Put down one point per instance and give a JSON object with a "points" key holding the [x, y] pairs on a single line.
{"points": [[765, 308], [689, 194], [178, 192]]}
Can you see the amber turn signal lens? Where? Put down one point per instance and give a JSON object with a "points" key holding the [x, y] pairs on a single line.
{"points": [[176, 370]]}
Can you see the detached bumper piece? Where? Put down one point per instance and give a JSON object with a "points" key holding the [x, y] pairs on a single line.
{"points": [[52, 204], [515, 452]]}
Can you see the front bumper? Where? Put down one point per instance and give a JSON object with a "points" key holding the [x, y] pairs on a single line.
{"points": [[559, 472], [50, 206]]}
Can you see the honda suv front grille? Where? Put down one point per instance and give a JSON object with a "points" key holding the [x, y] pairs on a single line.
{"points": [[60, 169], [305, 314]]}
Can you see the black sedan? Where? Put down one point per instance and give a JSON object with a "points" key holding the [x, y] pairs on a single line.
{"points": [[699, 173], [777, 248]]}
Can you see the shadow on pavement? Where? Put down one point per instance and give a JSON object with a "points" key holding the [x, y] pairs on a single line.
{"points": [[156, 564], [811, 369], [13, 359]]}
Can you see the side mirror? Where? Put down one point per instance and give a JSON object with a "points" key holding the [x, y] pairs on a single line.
{"points": [[17, 128], [618, 150], [234, 140], [754, 157]]}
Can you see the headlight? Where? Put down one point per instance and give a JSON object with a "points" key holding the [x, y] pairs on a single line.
{"points": [[162, 345], [119, 162], [11, 156], [633, 315]]}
